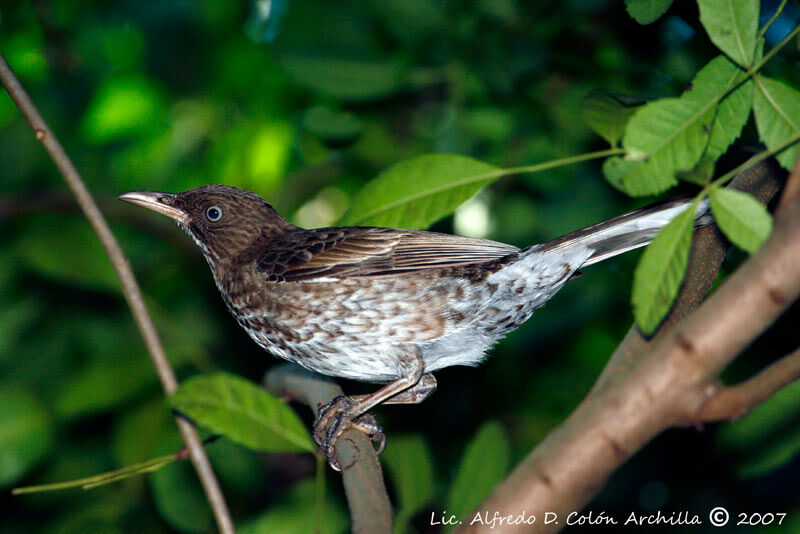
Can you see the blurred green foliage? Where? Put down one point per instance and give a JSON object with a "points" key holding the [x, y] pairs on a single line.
{"points": [[304, 106]]}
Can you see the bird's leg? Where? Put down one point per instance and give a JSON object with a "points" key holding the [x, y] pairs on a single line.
{"points": [[413, 395], [351, 412]]}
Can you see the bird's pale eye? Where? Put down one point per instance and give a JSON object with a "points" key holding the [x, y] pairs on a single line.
{"points": [[214, 213]]}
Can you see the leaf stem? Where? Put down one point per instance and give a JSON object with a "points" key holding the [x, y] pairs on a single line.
{"points": [[539, 167], [750, 72], [761, 156], [774, 50], [772, 19], [93, 481]]}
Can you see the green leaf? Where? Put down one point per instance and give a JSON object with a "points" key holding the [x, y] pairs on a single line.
{"points": [[342, 78], [732, 26], [616, 170], [776, 107], [417, 192], [26, 433], [732, 112], [647, 11], [742, 218], [294, 514], [335, 128], [243, 412], [408, 460], [670, 135], [767, 437], [700, 174], [661, 270], [607, 113], [731, 115], [485, 462], [664, 137]]}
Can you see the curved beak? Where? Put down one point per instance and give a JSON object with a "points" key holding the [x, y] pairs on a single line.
{"points": [[158, 202]]}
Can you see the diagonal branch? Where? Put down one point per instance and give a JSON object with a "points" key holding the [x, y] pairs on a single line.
{"points": [[661, 383], [129, 286], [734, 401], [709, 248]]}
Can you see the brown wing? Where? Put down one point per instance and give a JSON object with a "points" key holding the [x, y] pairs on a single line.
{"points": [[363, 251]]}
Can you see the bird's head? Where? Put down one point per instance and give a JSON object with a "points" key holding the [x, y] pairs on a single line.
{"points": [[224, 221]]}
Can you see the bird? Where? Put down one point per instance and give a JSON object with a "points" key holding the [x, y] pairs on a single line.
{"points": [[382, 305]]}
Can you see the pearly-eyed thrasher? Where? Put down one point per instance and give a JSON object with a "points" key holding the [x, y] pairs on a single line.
{"points": [[380, 304]]}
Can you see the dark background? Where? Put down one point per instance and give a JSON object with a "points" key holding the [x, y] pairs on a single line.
{"points": [[304, 108]]}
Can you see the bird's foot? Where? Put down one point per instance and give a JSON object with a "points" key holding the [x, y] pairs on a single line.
{"points": [[336, 417]]}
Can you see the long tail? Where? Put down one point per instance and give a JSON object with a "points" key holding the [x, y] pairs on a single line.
{"points": [[629, 231]]}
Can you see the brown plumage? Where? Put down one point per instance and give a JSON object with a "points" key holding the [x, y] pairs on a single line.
{"points": [[380, 304], [369, 252]]}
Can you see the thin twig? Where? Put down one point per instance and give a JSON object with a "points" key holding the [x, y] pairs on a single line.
{"points": [[129, 287], [732, 402], [370, 509]]}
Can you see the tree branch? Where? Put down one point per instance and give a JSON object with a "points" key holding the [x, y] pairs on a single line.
{"points": [[129, 287], [732, 402], [370, 509], [654, 384], [709, 248], [792, 190]]}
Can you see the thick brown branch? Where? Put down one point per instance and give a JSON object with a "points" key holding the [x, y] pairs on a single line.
{"points": [[370, 509], [129, 286], [664, 383], [749, 300], [708, 251]]}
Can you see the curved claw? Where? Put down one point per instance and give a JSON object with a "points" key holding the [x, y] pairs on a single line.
{"points": [[367, 424], [333, 420]]}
